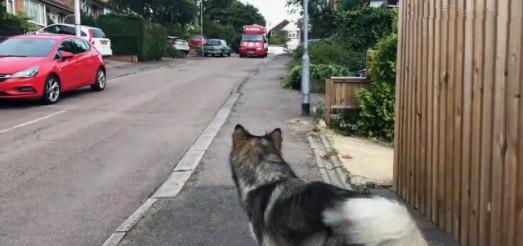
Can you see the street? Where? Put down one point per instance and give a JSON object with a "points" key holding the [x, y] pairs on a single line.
{"points": [[72, 172]]}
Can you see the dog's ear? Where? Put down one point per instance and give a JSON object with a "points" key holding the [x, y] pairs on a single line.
{"points": [[276, 138], [240, 135]]}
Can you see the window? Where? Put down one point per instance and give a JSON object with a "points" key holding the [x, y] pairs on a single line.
{"points": [[97, 33], [27, 47], [67, 45], [11, 9], [80, 46], [36, 11]]}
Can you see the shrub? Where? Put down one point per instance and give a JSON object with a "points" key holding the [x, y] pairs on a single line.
{"points": [[331, 51], [319, 73], [133, 35], [363, 27], [377, 111], [377, 104]]}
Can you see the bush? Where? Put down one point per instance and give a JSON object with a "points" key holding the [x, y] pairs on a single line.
{"points": [[377, 111], [133, 35], [319, 73], [331, 51], [377, 104], [173, 52], [363, 27]]}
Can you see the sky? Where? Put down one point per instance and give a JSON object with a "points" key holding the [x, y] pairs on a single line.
{"points": [[273, 10]]}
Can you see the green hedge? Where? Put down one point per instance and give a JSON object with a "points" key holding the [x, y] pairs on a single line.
{"points": [[133, 35], [319, 73], [14, 24]]}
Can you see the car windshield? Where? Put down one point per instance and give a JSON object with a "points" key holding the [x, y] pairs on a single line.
{"points": [[214, 42], [97, 33], [26, 47], [252, 38]]}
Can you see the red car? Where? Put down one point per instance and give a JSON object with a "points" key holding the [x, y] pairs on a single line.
{"points": [[43, 66], [196, 42]]}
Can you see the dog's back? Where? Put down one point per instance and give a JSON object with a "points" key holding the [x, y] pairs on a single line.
{"points": [[284, 210]]}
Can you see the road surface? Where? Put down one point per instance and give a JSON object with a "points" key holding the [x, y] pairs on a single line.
{"points": [[72, 172]]}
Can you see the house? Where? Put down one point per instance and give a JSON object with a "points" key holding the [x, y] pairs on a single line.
{"points": [[47, 12]]}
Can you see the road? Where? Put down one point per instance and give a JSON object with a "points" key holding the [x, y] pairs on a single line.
{"points": [[72, 172]]}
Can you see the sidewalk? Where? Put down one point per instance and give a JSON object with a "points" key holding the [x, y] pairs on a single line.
{"points": [[207, 211]]}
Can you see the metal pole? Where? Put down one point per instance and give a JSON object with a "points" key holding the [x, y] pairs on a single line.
{"points": [[305, 78], [201, 27], [77, 17]]}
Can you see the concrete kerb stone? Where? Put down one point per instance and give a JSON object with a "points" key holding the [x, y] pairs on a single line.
{"points": [[330, 167], [136, 216]]}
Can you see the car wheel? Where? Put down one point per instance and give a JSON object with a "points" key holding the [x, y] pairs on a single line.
{"points": [[229, 54], [101, 80], [51, 90], [222, 54]]}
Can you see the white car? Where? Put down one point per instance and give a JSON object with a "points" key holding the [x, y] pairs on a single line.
{"points": [[179, 44], [94, 35]]}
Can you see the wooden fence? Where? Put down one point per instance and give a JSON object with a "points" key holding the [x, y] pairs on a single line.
{"points": [[340, 94], [459, 121]]}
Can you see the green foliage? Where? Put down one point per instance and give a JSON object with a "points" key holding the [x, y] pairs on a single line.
{"points": [[332, 51], [88, 20], [13, 24], [159, 11], [362, 28], [383, 67], [377, 104], [319, 73], [279, 38], [133, 35], [377, 111]]}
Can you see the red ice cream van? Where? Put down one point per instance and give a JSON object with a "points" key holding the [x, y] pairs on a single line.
{"points": [[254, 41]]}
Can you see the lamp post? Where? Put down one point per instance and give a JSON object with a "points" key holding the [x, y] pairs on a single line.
{"points": [[201, 27], [305, 78], [77, 17]]}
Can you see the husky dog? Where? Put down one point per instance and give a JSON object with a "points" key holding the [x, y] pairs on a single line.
{"points": [[285, 210]]}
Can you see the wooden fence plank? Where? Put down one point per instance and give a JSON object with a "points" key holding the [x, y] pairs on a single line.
{"points": [[410, 105], [499, 139], [449, 114], [423, 111], [436, 129], [418, 167], [430, 105], [486, 132], [513, 93], [442, 81], [476, 119], [468, 74], [458, 117]]}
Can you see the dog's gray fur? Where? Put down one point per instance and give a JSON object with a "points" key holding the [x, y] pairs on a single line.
{"points": [[285, 210]]}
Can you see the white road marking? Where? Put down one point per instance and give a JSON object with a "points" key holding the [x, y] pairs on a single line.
{"points": [[32, 121]]}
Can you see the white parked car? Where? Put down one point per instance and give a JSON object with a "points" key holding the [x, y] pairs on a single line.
{"points": [[94, 35], [179, 44]]}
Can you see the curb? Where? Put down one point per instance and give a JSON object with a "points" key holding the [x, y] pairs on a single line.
{"points": [[182, 171], [328, 162]]}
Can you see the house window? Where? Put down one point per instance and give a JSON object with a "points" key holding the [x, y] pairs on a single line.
{"points": [[10, 6], [36, 11]]}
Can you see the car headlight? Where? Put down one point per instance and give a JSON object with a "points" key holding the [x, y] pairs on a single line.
{"points": [[28, 73]]}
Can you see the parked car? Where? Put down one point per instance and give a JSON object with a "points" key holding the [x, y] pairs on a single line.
{"points": [[92, 34], [196, 42], [216, 47], [179, 44], [44, 66]]}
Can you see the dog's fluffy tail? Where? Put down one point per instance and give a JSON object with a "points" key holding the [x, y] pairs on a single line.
{"points": [[374, 221]]}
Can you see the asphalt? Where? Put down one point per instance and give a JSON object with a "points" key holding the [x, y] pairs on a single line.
{"points": [[207, 211], [73, 172]]}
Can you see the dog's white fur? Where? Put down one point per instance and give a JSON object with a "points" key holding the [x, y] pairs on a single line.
{"points": [[374, 221]]}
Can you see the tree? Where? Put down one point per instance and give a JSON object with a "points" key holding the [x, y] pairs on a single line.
{"points": [[160, 11], [279, 38]]}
